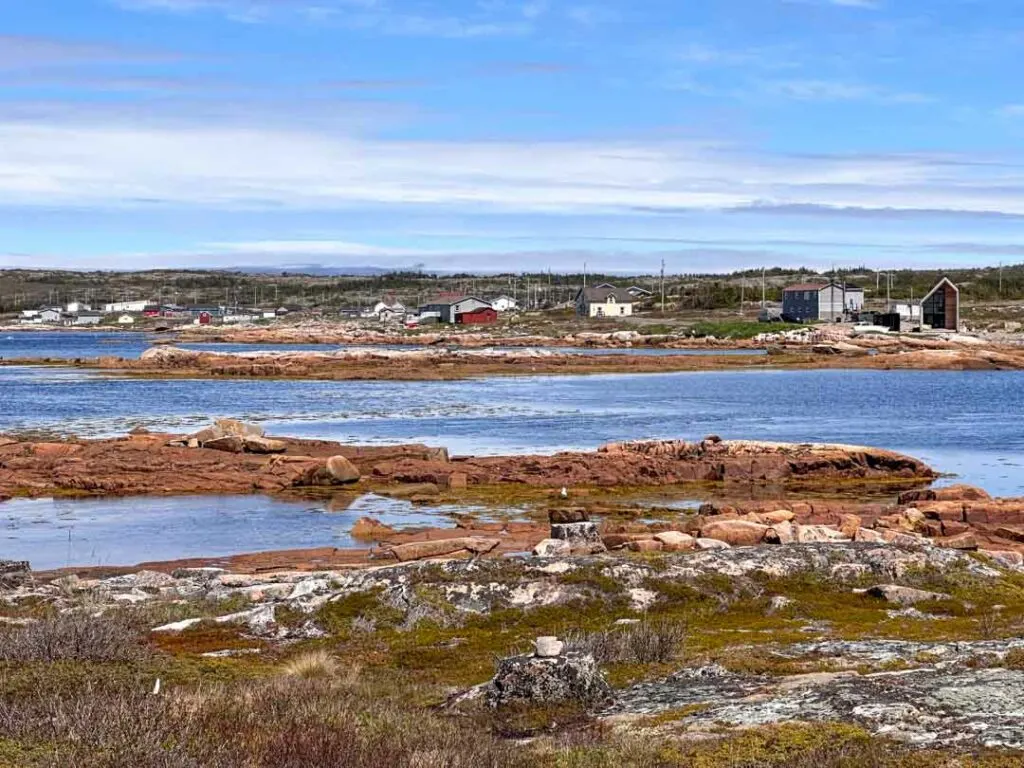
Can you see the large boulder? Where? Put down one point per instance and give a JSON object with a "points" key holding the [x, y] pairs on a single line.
{"points": [[14, 573], [552, 548], [419, 550], [534, 679], [737, 533], [576, 533], [675, 541], [894, 593], [227, 428], [226, 443], [338, 470], [812, 534], [253, 444]]}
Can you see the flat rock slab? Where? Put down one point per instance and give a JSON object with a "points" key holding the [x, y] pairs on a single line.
{"points": [[945, 703]]}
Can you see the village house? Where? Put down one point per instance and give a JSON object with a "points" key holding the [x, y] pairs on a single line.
{"points": [[810, 302], [126, 306], [639, 293], [504, 303], [126, 320], [604, 301], [462, 310], [940, 307], [83, 318], [50, 315], [387, 313]]}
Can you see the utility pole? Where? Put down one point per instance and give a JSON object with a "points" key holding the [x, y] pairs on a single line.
{"points": [[662, 287], [1000, 279], [763, 290]]}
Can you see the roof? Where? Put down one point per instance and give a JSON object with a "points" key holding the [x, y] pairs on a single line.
{"points": [[601, 294], [942, 282], [447, 301], [819, 286]]}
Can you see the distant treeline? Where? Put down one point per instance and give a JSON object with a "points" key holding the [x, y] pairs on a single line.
{"points": [[30, 289]]}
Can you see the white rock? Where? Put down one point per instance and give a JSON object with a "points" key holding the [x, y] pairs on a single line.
{"points": [[553, 548], [177, 626], [642, 599], [308, 587], [548, 647], [707, 544], [675, 541]]}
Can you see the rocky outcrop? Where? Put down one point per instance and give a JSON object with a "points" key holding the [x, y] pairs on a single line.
{"points": [[676, 462], [547, 676], [154, 463], [463, 546]]}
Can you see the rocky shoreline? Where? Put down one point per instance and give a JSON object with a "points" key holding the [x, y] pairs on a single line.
{"points": [[233, 458], [448, 363]]}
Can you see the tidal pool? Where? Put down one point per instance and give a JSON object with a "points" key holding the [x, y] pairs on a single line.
{"points": [[56, 533]]}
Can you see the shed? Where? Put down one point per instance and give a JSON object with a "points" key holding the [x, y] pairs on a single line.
{"points": [[940, 307], [479, 316]]}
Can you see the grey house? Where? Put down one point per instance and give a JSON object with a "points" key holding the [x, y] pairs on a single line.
{"points": [[448, 310], [808, 302]]}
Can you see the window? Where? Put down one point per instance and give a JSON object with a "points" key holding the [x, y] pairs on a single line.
{"points": [[622, 310], [807, 295]]}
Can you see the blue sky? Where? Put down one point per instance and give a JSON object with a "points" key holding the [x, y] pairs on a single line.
{"points": [[511, 134]]}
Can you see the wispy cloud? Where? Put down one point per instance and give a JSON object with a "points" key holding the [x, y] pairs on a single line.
{"points": [[19, 52], [836, 90], [377, 16], [108, 163]]}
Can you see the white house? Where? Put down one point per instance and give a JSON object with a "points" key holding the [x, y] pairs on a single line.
{"points": [[604, 301], [74, 307], [29, 314], [50, 315], [126, 320], [387, 312], [85, 318], [126, 306], [505, 303]]}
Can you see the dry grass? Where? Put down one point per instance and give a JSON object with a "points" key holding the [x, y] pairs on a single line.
{"points": [[652, 641], [73, 637], [285, 722], [312, 665]]}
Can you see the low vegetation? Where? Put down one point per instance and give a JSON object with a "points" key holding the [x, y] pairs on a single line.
{"points": [[81, 690]]}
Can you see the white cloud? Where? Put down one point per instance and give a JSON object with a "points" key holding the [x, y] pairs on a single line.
{"points": [[311, 248], [857, 3], [366, 15], [128, 164], [835, 90]]}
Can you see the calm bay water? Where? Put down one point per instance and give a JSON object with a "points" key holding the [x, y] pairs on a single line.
{"points": [[967, 423], [124, 531]]}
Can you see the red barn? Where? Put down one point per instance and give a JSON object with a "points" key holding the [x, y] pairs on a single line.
{"points": [[481, 316]]}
